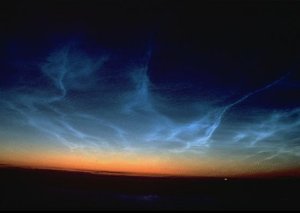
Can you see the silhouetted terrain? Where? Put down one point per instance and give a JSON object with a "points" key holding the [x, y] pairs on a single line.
{"points": [[34, 189]]}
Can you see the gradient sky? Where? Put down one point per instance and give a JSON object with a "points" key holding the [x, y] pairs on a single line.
{"points": [[158, 87]]}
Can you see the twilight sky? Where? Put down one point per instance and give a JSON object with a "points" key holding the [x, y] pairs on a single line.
{"points": [[151, 86]]}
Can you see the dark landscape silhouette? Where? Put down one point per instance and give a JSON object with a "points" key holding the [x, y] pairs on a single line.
{"points": [[45, 189]]}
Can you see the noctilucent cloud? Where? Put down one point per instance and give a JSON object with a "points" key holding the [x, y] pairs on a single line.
{"points": [[150, 103]]}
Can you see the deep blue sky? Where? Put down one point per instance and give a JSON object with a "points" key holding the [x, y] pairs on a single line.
{"points": [[210, 81]]}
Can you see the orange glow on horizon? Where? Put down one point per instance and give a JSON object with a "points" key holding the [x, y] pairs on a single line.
{"points": [[127, 162], [111, 162]]}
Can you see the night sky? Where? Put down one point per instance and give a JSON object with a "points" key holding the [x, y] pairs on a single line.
{"points": [[160, 87]]}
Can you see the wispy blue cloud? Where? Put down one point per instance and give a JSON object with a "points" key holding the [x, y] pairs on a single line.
{"points": [[82, 111]]}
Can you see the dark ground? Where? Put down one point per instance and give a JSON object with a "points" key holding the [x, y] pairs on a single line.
{"points": [[34, 189]]}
